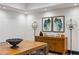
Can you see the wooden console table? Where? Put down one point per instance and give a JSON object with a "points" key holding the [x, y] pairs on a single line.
{"points": [[25, 47], [55, 44]]}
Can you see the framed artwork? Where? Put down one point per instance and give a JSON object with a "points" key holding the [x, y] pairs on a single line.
{"points": [[47, 24], [58, 24]]}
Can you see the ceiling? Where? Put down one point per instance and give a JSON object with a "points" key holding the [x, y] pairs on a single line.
{"points": [[29, 6], [34, 7]]}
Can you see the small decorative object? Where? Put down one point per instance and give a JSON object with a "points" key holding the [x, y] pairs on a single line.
{"points": [[41, 34], [62, 35], [57, 35], [71, 24], [34, 26], [47, 24], [14, 42], [58, 24]]}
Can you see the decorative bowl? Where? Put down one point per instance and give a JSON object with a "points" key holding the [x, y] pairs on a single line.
{"points": [[14, 42]]}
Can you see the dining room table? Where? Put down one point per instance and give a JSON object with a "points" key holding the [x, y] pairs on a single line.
{"points": [[26, 47]]}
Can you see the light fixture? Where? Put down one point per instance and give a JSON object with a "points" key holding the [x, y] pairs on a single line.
{"points": [[71, 24], [4, 7], [34, 26], [75, 4]]}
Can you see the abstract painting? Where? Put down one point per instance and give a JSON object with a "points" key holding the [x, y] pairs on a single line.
{"points": [[47, 24], [58, 24]]}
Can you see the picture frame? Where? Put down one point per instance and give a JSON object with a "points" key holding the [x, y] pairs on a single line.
{"points": [[58, 24], [47, 24]]}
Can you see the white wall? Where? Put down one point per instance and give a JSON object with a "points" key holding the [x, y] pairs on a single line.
{"points": [[14, 24]]}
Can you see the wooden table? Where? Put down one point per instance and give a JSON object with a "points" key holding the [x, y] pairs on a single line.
{"points": [[25, 47]]}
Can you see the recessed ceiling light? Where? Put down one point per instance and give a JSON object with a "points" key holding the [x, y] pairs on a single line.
{"points": [[75, 4], [4, 7]]}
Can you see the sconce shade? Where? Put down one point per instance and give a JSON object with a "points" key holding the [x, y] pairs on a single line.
{"points": [[34, 25], [71, 24]]}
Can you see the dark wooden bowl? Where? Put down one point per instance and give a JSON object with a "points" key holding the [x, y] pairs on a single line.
{"points": [[14, 42]]}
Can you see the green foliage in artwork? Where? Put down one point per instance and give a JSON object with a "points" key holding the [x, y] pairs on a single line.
{"points": [[58, 23], [47, 23]]}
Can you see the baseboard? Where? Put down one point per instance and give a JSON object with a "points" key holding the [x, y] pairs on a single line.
{"points": [[56, 52], [73, 52], [68, 52]]}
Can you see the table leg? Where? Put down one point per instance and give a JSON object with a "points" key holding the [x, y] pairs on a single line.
{"points": [[45, 50]]}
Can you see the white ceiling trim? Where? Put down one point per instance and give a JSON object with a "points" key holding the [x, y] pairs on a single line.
{"points": [[35, 7]]}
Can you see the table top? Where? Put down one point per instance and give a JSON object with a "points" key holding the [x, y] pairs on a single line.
{"points": [[24, 47]]}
